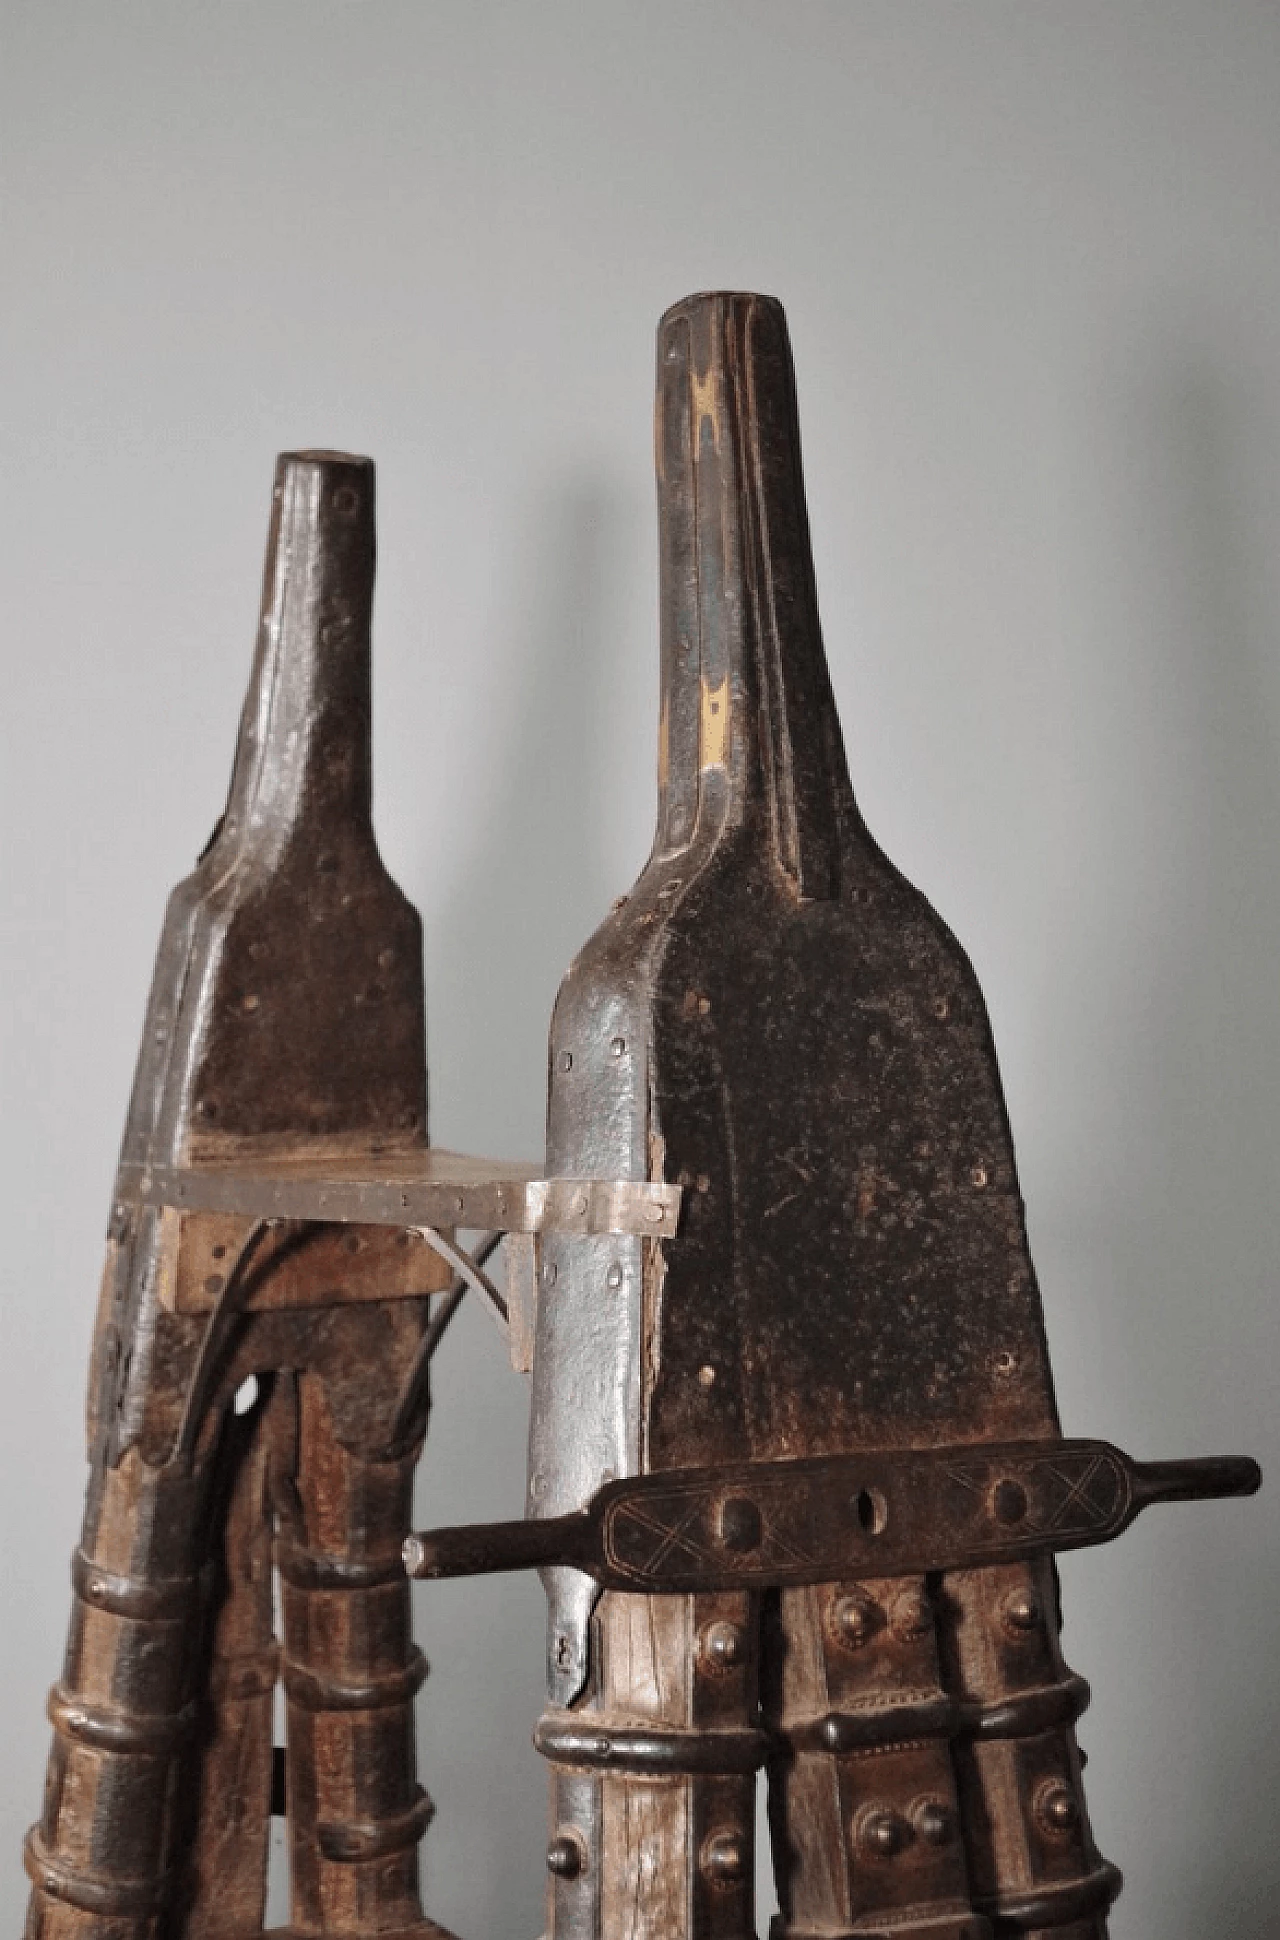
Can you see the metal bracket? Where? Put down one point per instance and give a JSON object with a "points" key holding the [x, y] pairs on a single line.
{"points": [[426, 1187]]}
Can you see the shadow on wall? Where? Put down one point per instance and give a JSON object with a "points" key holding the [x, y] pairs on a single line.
{"points": [[537, 881], [1194, 1228]]}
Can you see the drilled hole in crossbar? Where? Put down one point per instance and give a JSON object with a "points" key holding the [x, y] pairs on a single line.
{"points": [[872, 1511]]}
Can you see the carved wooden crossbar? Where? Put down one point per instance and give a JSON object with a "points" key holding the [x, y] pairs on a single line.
{"points": [[796, 1476]]}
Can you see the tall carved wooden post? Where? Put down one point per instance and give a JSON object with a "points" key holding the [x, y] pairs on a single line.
{"points": [[286, 1019], [796, 1475]]}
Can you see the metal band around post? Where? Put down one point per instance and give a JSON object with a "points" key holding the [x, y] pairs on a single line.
{"points": [[1057, 1905], [312, 1569], [650, 1750], [1027, 1713], [316, 1692], [107, 1728], [129, 1596], [905, 1722], [349, 1844], [90, 1892]]}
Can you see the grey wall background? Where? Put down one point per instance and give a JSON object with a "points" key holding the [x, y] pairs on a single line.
{"points": [[1031, 265]]}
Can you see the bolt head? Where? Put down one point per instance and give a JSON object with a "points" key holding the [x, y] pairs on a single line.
{"points": [[935, 1822], [913, 1615], [722, 1646], [1021, 1610], [855, 1620], [566, 1857], [883, 1834], [836, 1734], [723, 1859], [1057, 1807]]}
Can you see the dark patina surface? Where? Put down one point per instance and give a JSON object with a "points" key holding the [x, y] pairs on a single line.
{"points": [[796, 1476], [815, 1382], [286, 1018]]}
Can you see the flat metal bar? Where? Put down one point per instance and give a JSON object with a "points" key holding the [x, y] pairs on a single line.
{"points": [[422, 1188], [897, 1512]]}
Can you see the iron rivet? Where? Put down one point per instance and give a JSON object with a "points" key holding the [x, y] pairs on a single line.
{"points": [[1008, 1501], [1021, 1610], [722, 1645], [208, 1108], [837, 1733], [738, 1524], [855, 1620], [565, 1857], [566, 1060], [549, 1272], [251, 1002], [346, 501], [934, 1821], [214, 1283], [978, 1175], [883, 1833], [1057, 1807], [704, 1006], [654, 1214], [618, 1046], [702, 1182], [912, 1615], [723, 1858], [352, 1242], [940, 1007], [219, 1252], [97, 1587], [613, 1278], [385, 959], [706, 1376], [1004, 1362]]}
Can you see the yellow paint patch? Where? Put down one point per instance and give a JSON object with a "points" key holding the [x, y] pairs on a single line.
{"points": [[706, 406], [713, 726]]}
